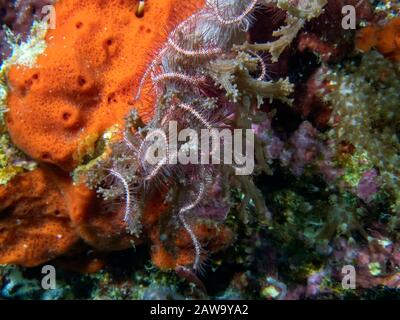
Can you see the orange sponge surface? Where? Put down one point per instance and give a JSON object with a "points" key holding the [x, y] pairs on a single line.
{"points": [[386, 39], [34, 219], [43, 216], [85, 80]]}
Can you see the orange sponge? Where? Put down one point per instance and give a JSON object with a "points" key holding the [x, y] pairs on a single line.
{"points": [[389, 40], [386, 39], [84, 81], [182, 253], [34, 220], [103, 229], [366, 38], [43, 215]]}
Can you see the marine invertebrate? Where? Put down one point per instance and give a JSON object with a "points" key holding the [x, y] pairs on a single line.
{"points": [[203, 76], [44, 216], [34, 219], [298, 13], [102, 231], [24, 53], [385, 38], [90, 82], [183, 75], [179, 251]]}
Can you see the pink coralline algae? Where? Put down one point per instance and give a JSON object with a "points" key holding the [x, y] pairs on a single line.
{"points": [[302, 149], [368, 185]]}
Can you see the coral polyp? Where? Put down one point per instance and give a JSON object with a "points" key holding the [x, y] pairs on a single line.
{"points": [[223, 149]]}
